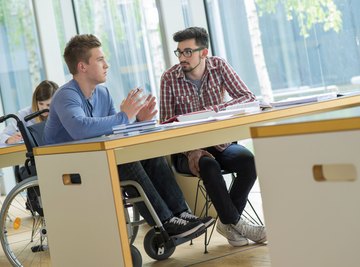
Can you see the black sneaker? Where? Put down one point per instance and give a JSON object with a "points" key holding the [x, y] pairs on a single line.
{"points": [[207, 221], [176, 227]]}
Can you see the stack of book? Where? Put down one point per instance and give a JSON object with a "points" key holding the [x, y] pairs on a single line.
{"points": [[134, 128]]}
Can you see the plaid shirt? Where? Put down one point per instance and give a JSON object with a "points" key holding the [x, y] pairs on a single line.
{"points": [[178, 95]]}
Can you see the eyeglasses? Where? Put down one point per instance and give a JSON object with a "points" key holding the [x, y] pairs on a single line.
{"points": [[187, 52]]}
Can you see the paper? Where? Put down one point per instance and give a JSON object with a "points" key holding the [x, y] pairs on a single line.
{"points": [[134, 127], [248, 107], [198, 115], [185, 123], [304, 100]]}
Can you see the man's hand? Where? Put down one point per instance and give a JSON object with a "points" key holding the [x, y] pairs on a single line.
{"points": [[15, 138], [194, 157], [149, 109], [133, 103]]}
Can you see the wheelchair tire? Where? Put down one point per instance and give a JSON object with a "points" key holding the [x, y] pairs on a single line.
{"points": [[135, 228], [23, 230], [135, 256], [152, 247]]}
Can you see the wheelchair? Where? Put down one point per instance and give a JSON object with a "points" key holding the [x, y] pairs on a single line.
{"points": [[24, 234]]}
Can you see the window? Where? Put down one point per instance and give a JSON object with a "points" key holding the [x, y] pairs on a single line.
{"points": [[270, 51], [21, 67], [65, 29], [129, 32]]}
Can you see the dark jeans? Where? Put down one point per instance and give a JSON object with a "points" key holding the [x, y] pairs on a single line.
{"points": [[237, 159], [158, 181]]}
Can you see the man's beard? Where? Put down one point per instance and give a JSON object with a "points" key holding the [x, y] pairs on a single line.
{"points": [[191, 69]]}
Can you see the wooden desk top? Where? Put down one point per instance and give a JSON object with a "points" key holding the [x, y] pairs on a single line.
{"points": [[11, 155], [206, 130], [7, 149], [332, 121]]}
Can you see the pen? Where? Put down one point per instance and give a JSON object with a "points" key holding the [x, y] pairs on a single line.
{"points": [[135, 91]]}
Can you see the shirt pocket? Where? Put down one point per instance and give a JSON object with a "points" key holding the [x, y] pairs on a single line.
{"points": [[186, 103]]}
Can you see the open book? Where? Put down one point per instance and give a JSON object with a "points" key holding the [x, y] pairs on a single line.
{"points": [[233, 110], [197, 115]]}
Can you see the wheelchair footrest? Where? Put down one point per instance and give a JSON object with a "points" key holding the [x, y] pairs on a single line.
{"points": [[179, 240]]}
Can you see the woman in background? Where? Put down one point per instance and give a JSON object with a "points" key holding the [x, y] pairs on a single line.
{"points": [[40, 100]]}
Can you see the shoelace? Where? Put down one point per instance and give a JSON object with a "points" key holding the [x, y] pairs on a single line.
{"points": [[230, 230], [185, 215], [250, 230], [178, 221]]}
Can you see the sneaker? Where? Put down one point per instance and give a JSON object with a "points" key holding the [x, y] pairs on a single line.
{"points": [[234, 238], [255, 233], [207, 221], [176, 227]]}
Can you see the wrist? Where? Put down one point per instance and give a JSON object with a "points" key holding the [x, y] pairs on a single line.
{"points": [[187, 153]]}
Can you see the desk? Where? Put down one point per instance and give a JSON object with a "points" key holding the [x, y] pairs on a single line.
{"points": [[309, 173], [11, 155], [86, 222]]}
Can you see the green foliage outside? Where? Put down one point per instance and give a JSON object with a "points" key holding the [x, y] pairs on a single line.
{"points": [[18, 19], [307, 12]]}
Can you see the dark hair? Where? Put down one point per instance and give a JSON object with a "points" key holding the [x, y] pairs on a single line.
{"points": [[44, 91], [77, 49], [199, 34]]}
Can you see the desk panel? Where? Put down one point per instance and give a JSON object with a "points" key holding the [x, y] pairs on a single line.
{"points": [[311, 220], [310, 223], [84, 222]]}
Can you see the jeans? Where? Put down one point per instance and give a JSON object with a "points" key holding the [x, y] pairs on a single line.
{"points": [[235, 159], [159, 184]]}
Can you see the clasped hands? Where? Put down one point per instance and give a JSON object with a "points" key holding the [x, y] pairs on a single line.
{"points": [[193, 159], [139, 106]]}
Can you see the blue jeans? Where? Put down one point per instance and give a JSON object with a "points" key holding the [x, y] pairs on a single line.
{"points": [[158, 181], [235, 159]]}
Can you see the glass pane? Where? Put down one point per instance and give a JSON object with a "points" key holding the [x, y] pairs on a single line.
{"points": [[186, 13], [294, 62], [60, 27], [21, 67], [129, 32]]}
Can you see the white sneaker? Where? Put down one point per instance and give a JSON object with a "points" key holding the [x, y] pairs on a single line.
{"points": [[255, 233], [233, 237]]}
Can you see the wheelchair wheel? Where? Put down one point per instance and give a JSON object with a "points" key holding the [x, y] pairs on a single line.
{"points": [[136, 256], [135, 227], [155, 248], [24, 235]]}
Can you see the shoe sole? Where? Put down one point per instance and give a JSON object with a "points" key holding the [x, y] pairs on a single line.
{"points": [[238, 243], [189, 232], [261, 240], [234, 243]]}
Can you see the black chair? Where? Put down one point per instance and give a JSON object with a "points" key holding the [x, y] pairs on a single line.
{"points": [[249, 212]]}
